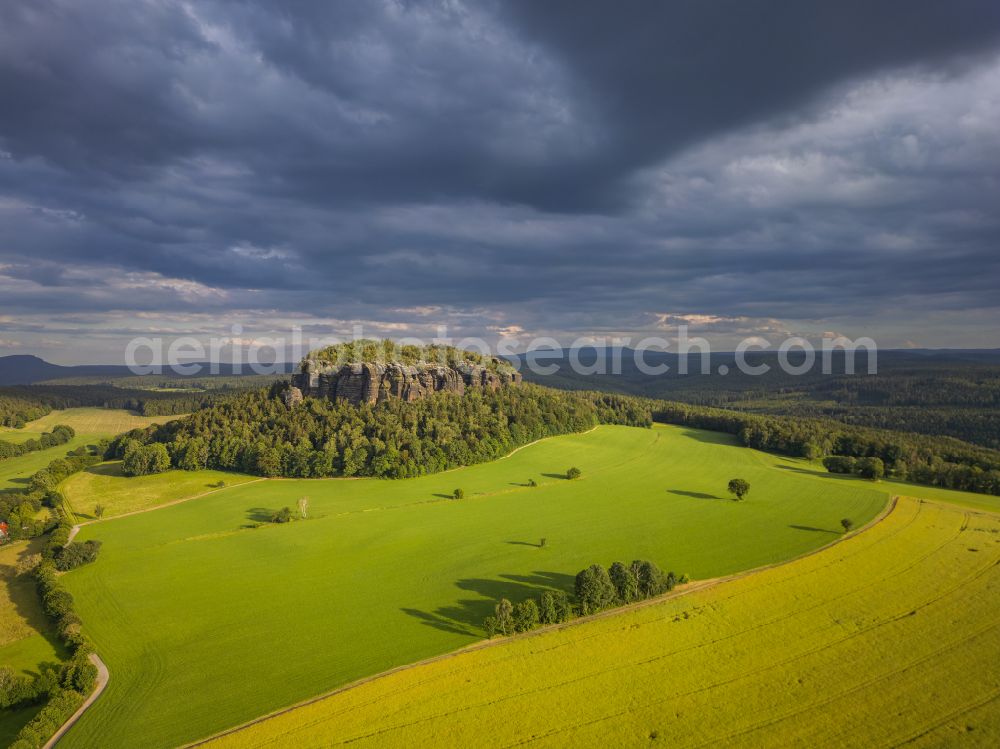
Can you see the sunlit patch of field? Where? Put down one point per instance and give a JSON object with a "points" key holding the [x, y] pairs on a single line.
{"points": [[92, 421], [888, 638]]}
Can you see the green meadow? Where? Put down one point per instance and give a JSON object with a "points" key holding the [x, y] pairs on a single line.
{"points": [[859, 645], [208, 615]]}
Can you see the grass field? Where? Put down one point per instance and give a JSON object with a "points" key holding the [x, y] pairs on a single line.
{"points": [[26, 638], [206, 621], [105, 484], [102, 422], [886, 639]]}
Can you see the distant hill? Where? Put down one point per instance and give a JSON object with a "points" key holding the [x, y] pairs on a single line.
{"points": [[28, 370]]}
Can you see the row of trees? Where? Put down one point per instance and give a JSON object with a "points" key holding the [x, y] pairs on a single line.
{"points": [[596, 588], [60, 435], [256, 433], [552, 607]]}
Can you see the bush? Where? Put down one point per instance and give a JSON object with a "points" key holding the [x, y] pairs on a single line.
{"points": [[573, 473], [458, 494], [75, 554], [284, 515]]}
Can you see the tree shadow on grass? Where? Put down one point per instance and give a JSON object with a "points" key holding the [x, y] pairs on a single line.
{"points": [[444, 496], [106, 469], [524, 543], [695, 495], [466, 615], [556, 476], [811, 528], [823, 473], [260, 514], [711, 438]]}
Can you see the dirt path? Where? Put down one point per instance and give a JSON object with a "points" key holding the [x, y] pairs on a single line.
{"points": [[102, 681], [678, 592]]}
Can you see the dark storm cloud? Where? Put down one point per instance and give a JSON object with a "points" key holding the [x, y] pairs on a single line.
{"points": [[560, 166]]}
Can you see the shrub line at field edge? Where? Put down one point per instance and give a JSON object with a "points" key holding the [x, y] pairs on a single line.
{"points": [[678, 592]]}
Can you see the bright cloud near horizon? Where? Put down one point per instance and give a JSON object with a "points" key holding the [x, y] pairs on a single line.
{"points": [[511, 167]]}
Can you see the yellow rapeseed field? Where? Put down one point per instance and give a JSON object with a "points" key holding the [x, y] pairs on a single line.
{"points": [[888, 638]]}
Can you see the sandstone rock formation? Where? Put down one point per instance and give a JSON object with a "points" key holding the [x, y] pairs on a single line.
{"points": [[369, 382]]}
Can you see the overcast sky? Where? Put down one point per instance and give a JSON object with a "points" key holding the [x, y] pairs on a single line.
{"points": [[564, 168]]}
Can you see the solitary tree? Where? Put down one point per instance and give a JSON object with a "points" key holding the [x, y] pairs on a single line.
{"points": [[303, 505], [532, 482], [99, 512], [848, 524], [739, 488], [542, 542], [504, 617], [573, 473], [458, 494], [283, 515]]}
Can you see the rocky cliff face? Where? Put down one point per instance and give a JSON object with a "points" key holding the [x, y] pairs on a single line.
{"points": [[372, 383]]}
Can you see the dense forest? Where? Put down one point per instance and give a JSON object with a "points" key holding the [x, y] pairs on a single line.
{"points": [[258, 434]]}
